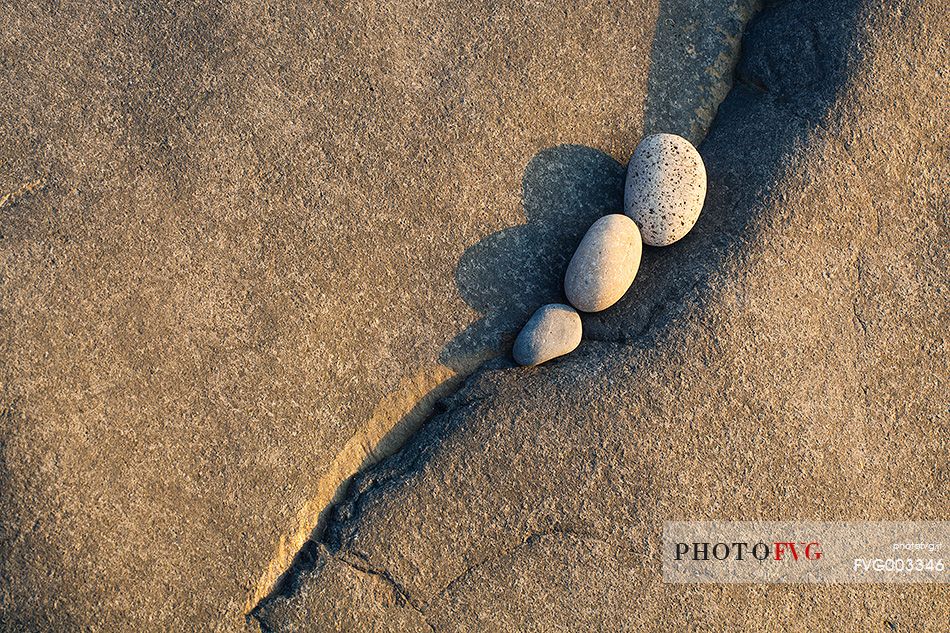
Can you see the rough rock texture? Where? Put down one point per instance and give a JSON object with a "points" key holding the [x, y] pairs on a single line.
{"points": [[378, 606], [552, 331], [604, 264], [787, 359], [693, 57], [241, 242], [665, 188]]}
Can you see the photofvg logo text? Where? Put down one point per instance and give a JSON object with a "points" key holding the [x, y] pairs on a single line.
{"points": [[741, 550], [797, 552]]}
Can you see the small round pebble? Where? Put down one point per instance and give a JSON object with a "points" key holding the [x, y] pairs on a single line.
{"points": [[553, 330], [604, 264], [666, 188]]}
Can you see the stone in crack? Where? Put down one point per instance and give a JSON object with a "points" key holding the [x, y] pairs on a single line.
{"points": [[553, 330], [665, 189], [604, 264]]}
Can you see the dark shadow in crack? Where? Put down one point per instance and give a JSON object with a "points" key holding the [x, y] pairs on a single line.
{"points": [[683, 95], [511, 273], [765, 118]]}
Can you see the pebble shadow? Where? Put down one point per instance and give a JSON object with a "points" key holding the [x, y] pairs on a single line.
{"points": [[511, 273]]}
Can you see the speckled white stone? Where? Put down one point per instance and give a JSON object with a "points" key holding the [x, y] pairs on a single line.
{"points": [[553, 330], [604, 264], [666, 188]]}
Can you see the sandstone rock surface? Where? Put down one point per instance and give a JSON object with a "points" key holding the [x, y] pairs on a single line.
{"points": [[197, 198]]}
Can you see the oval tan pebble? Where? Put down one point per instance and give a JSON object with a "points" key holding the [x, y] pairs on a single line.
{"points": [[604, 264], [553, 330], [665, 189]]}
